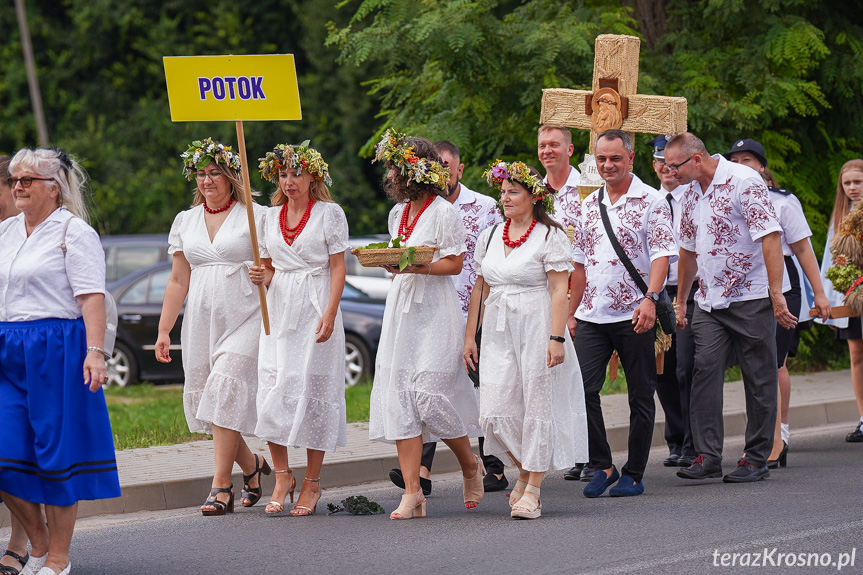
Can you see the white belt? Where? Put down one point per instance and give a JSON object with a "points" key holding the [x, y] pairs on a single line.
{"points": [[501, 295], [248, 286], [414, 286], [302, 275]]}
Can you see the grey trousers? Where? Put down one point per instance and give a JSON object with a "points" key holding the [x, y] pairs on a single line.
{"points": [[747, 329]]}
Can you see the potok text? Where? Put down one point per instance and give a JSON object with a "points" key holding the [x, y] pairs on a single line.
{"points": [[232, 87]]}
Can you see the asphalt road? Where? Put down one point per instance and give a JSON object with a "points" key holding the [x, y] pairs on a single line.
{"points": [[677, 526]]}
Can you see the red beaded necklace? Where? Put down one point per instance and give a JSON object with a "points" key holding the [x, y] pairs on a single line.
{"points": [[219, 210], [519, 241], [406, 230], [290, 234]]}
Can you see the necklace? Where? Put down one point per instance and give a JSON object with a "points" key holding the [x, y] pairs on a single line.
{"points": [[519, 241], [406, 230], [218, 210], [290, 234]]}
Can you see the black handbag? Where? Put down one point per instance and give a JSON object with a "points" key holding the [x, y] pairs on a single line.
{"points": [[664, 307], [473, 374]]}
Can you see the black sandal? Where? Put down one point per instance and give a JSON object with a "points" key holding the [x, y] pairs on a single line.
{"points": [[220, 506], [9, 570], [253, 494]]}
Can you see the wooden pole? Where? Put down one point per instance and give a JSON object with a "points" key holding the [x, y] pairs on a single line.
{"points": [[247, 194], [32, 78]]}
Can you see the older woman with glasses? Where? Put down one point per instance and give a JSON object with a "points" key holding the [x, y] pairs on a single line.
{"points": [[212, 250], [59, 447]]}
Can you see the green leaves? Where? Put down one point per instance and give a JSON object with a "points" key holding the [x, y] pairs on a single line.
{"points": [[407, 258]]}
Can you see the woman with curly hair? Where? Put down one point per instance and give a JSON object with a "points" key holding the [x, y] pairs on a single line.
{"points": [[420, 390]]}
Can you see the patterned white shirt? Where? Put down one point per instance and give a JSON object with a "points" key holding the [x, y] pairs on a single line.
{"points": [[723, 227], [641, 219], [676, 212], [567, 204], [478, 212]]}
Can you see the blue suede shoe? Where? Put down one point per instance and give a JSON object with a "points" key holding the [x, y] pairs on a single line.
{"points": [[627, 487], [600, 483]]}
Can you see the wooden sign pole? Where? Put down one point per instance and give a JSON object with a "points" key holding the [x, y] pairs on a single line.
{"points": [[247, 194]]}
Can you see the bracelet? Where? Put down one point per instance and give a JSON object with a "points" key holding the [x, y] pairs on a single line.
{"points": [[428, 273], [557, 338], [105, 354]]}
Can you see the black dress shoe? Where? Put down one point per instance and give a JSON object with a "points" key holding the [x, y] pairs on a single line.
{"points": [[399, 481], [780, 461], [671, 460], [491, 483], [855, 436], [587, 474], [685, 461], [701, 469], [746, 473], [574, 474]]}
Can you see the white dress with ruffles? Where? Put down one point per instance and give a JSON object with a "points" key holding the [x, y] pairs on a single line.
{"points": [[222, 321], [420, 386], [534, 412], [301, 383]]}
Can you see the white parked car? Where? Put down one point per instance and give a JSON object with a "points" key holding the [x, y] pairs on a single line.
{"points": [[373, 281]]}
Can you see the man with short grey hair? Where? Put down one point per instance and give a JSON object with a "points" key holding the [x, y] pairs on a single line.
{"points": [[729, 233]]}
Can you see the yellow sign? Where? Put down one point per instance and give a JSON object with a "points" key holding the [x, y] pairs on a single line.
{"points": [[230, 88]]}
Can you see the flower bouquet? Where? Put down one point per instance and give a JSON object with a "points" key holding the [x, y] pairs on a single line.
{"points": [[846, 273], [393, 253]]}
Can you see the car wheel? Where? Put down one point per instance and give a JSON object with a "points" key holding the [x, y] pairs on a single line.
{"points": [[122, 368], [358, 360]]}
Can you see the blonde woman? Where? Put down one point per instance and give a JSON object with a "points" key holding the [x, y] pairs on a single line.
{"points": [[301, 366], [211, 249]]}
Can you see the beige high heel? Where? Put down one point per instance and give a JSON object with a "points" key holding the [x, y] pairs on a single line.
{"points": [[303, 510], [517, 492], [473, 489], [528, 506], [275, 507], [412, 505]]}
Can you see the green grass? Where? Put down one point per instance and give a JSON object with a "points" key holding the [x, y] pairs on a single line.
{"points": [[146, 415], [357, 400]]}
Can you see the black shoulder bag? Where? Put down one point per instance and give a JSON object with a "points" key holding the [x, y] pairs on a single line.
{"points": [[473, 374], [664, 308]]}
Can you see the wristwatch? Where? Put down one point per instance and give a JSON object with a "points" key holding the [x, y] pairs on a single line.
{"points": [[652, 296], [557, 338]]}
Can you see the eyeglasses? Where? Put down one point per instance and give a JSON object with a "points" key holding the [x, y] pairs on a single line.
{"points": [[674, 168], [214, 176], [26, 181]]}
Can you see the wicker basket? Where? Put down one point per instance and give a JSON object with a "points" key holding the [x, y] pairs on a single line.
{"points": [[371, 258]]}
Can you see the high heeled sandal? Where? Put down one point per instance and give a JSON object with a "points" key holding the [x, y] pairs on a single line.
{"points": [[473, 489], [49, 571], [780, 461], [253, 494], [411, 505], [8, 569], [528, 506], [516, 492], [220, 506], [275, 507], [303, 510]]}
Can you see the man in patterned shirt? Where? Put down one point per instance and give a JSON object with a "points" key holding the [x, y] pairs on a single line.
{"points": [[730, 233], [478, 212], [612, 312]]}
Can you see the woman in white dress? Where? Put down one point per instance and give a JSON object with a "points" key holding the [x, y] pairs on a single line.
{"points": [[301, 366], [212, 250], [420, 390], [532, 397]]}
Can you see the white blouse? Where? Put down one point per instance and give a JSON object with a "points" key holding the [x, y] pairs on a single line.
{"points": [[39, 281]]}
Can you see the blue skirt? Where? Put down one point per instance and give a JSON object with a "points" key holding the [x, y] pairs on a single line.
{"points": [[56, 445]]}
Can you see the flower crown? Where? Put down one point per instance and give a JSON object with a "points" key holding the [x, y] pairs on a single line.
{"points": [[300, 157], [520, 172], [202, 152], [394, 148]]}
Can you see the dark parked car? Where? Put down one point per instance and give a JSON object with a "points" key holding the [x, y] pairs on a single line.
{"points": [[139, 298]]}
